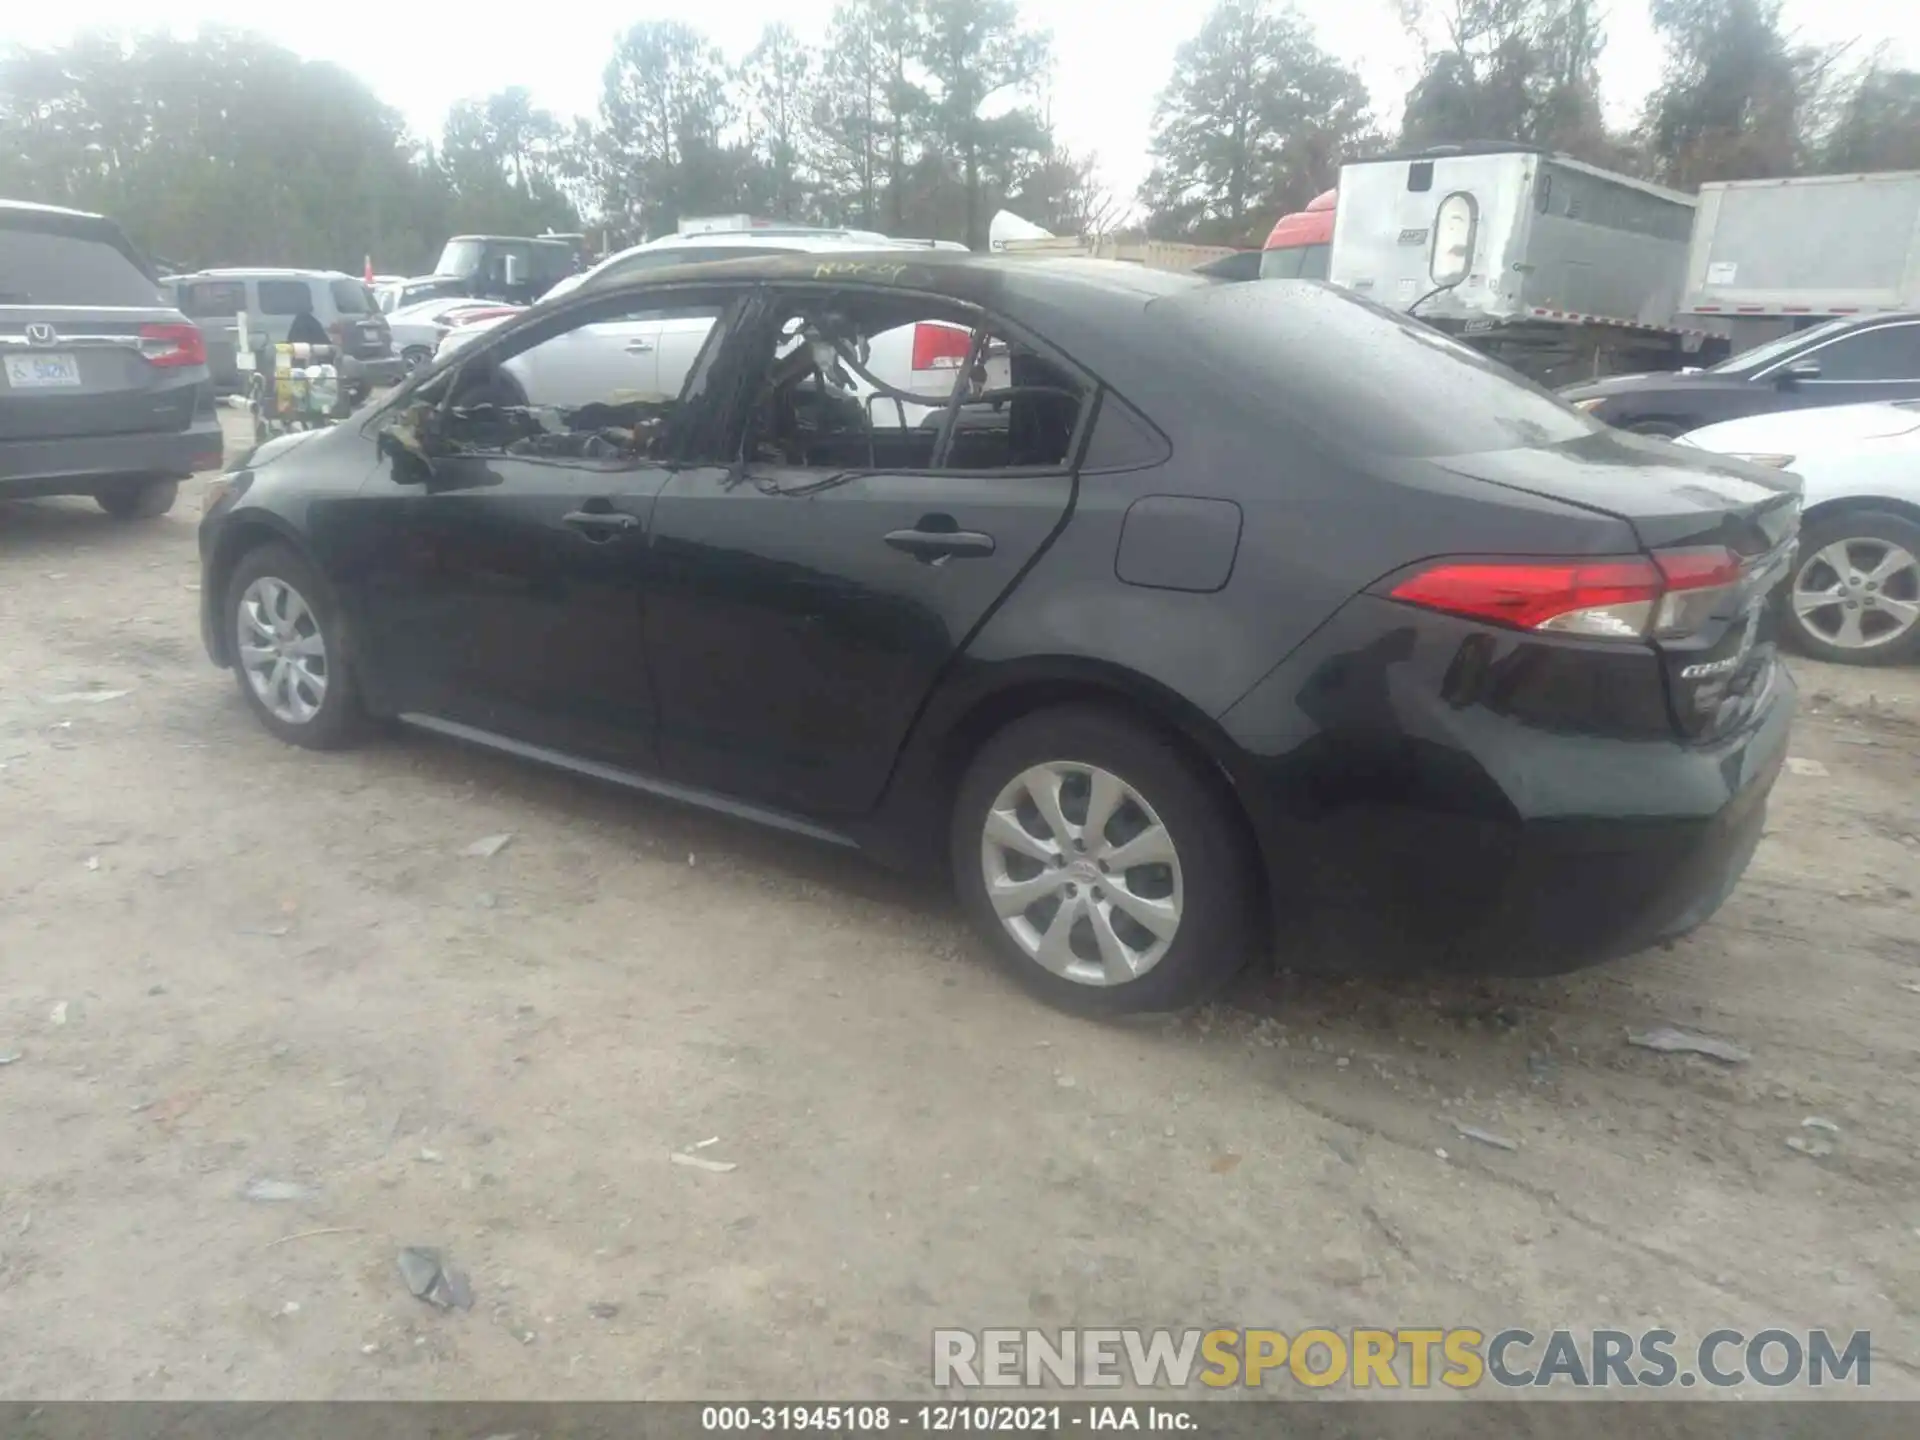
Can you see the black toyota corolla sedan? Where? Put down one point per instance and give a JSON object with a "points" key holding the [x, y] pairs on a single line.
{"points": [[1179, 621]]}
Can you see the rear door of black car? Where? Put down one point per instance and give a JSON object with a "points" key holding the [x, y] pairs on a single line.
{"points": [[807, 592], [89, 345]]}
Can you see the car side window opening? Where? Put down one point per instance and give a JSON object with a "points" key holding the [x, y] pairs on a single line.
{"points": [[851, 380], [593, 391], [213, 299], [1887, 352], [1748, 362], [284, 297]]}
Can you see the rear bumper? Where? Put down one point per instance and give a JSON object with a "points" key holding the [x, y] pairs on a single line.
{"points": [[1411, 817], [79, 465]]}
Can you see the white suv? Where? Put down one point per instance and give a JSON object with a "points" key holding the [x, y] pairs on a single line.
{"points": [[575, 364]]}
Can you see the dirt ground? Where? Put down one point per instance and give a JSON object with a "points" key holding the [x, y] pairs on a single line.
{"points": [[225, 961]]}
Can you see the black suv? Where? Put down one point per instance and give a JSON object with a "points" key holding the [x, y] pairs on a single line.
{"points": [[103, 384], [1843, 362]]}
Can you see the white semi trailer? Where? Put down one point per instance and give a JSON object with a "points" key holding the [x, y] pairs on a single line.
{"points": [[1770, 256], [1556, 267], [1568, 271]]}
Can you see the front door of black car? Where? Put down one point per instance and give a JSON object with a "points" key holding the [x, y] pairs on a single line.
{"points": [[504, 592], [1878, 362], [803, 604]]}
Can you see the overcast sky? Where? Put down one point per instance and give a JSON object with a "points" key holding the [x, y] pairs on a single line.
{"points": [[1111, 60]]}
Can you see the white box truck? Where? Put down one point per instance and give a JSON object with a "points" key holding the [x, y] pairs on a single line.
{"points": [[1770, 256]]}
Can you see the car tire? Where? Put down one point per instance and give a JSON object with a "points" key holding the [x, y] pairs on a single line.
{"points": [[416, 356], [1866, 543], [1104, 961], [145, 500], [289, 609]]}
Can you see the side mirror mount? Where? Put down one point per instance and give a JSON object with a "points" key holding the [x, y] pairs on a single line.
{"points": [[1800, 370], [408, 440]]}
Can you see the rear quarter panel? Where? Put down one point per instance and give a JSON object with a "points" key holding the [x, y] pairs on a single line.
{"points": [[1317, 527]]}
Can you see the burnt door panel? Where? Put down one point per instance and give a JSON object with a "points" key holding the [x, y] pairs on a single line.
{"points": [[517, 572], [509, 598]]}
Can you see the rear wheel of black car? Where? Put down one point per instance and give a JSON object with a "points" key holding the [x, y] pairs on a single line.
{"points": [[140, 500], [1855, 596], [289, 647], [1102, 865]]}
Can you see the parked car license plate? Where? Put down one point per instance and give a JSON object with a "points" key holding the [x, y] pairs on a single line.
{"points": [[25, 372]]}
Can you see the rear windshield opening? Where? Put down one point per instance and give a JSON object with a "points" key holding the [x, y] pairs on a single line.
{"points": [[1362, 376]]}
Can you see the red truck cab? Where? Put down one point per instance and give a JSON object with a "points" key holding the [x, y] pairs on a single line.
{"points": [[1298, 247]]}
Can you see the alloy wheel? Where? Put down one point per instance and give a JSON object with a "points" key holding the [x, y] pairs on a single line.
{"points": [[282, 650], [1082, 873], [1858, 593]]}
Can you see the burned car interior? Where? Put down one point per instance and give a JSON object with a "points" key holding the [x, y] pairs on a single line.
{"points": [[811, 396], [486, 409], [819, 404]]}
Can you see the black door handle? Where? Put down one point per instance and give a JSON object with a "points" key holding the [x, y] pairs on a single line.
{"points": [[598, 524], [933, 546]]}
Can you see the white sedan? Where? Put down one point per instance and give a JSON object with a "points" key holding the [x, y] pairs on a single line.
{"points": [[1855, 594]]}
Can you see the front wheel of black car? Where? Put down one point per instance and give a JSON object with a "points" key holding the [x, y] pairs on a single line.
{"points": [[142, 500], [1855, 596], [1102, 865], [288, 645]]}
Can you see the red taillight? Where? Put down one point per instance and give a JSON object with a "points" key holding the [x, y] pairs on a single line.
{"points": [[940, 347], [1697, 581], [170, 346], [1630, 598], [1698, 569]]}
